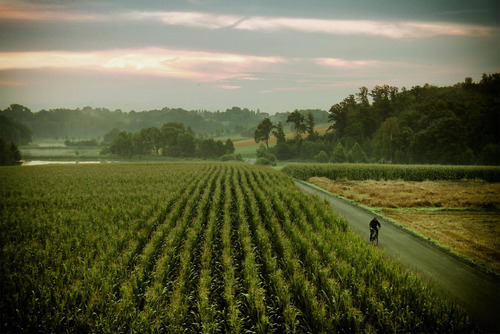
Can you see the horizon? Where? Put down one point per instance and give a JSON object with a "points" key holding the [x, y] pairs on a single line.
{"points": [[215, 54]]}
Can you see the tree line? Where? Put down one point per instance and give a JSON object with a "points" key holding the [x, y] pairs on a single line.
{"points": [[459, 124], [173, 139], [87, 123]]}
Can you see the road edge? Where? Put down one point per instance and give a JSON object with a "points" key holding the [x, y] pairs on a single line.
{"points": [[430, 241]]}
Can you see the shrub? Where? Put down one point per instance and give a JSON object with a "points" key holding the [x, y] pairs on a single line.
{"points": [[321, 157]]}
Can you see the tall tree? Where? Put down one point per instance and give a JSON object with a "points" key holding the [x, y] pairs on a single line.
{"points": [[387, 138], [310, 126], [279, 133], [298, 122], [229, 146], [263, 131]]}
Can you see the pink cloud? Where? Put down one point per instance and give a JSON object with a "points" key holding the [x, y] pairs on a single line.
{"points": [[44, 12], [229, 87], [343, 63], [196, 65]]}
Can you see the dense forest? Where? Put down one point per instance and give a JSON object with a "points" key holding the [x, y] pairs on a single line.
{"points": [[430, 125]]}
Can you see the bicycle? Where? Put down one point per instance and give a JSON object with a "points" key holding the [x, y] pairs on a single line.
{"points": [[373, 236]]}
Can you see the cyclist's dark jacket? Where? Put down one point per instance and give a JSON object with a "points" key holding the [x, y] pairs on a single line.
{"points": [[375, 224]]}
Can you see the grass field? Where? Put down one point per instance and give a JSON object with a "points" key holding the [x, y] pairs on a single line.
{"points": [[464, 214], [194, 247]]}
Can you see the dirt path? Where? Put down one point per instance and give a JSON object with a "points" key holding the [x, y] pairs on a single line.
{"points": [[477, 292]]}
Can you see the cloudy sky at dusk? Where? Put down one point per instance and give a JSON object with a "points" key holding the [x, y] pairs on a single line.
{"points": [[274, 55]]}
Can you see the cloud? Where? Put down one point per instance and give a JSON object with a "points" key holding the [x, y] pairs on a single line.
{"points": [[383, 28], [343, 63], [229, 87], [197, 65], [190, 19], [45, 12], [389, 29]]}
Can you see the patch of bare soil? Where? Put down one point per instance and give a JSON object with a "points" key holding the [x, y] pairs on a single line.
{"points": [[464, 215]]}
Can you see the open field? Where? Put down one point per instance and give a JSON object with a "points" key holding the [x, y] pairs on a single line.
{"points": [[196, 247], [464, 215]]}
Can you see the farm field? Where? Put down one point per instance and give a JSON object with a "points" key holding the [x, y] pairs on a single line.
{"points": [[463, 214], [196, 247]]}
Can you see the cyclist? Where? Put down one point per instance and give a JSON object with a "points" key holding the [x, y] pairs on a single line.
{"points": [[374, 227]]}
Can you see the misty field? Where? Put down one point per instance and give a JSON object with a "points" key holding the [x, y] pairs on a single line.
{"points": [[194, 247]]}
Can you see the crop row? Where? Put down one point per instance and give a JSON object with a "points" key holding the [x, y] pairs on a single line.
{"points": [[195, 247], [392, 172]]}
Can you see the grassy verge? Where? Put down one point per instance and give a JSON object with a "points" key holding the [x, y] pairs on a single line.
{"points": [[467, 229]]}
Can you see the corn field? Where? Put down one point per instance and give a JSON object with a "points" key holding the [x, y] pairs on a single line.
{"points": [[393, 172], [194, 247]]}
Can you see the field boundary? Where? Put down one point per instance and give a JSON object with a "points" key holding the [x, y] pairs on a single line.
{"points": [[436, 244]]}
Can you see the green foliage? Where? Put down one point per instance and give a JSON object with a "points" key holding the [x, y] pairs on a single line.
{"points": [[265, 157], [263, 131], [490, 155], [321, 157], [392, 172], [357, 154], [309, 149], [447, 125], [14, 131], [194, 247], [279, 133], [283, 150], [9, 153], [172, 140], [229, 146], [96, 122], [110, 136], [298, 120], [339, 153]]}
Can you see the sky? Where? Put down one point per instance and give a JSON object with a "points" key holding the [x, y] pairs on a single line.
{"points": [[267, 55]]}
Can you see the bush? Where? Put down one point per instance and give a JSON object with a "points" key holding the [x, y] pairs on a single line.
{"points": [[283, 151], [321, 157], [265, 162], [228, 157]]}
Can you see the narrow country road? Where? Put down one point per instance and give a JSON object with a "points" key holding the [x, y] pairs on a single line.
{"points": [[476, 291]]}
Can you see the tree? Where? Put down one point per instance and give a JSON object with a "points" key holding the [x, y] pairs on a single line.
{"points": [[229, 146], [279, 133], [265, 157], [387, 138], [310, 126], [110, 136], [186, 144], [263, 130], [14, 131], [357, 154], [321, 157], [338, 115], [122, 144], [298, 121], [209, 148], [339, 153], [442, 142], [9, 153]]}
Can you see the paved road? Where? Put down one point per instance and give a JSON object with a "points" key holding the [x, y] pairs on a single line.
{"points": [[477, 292]]}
